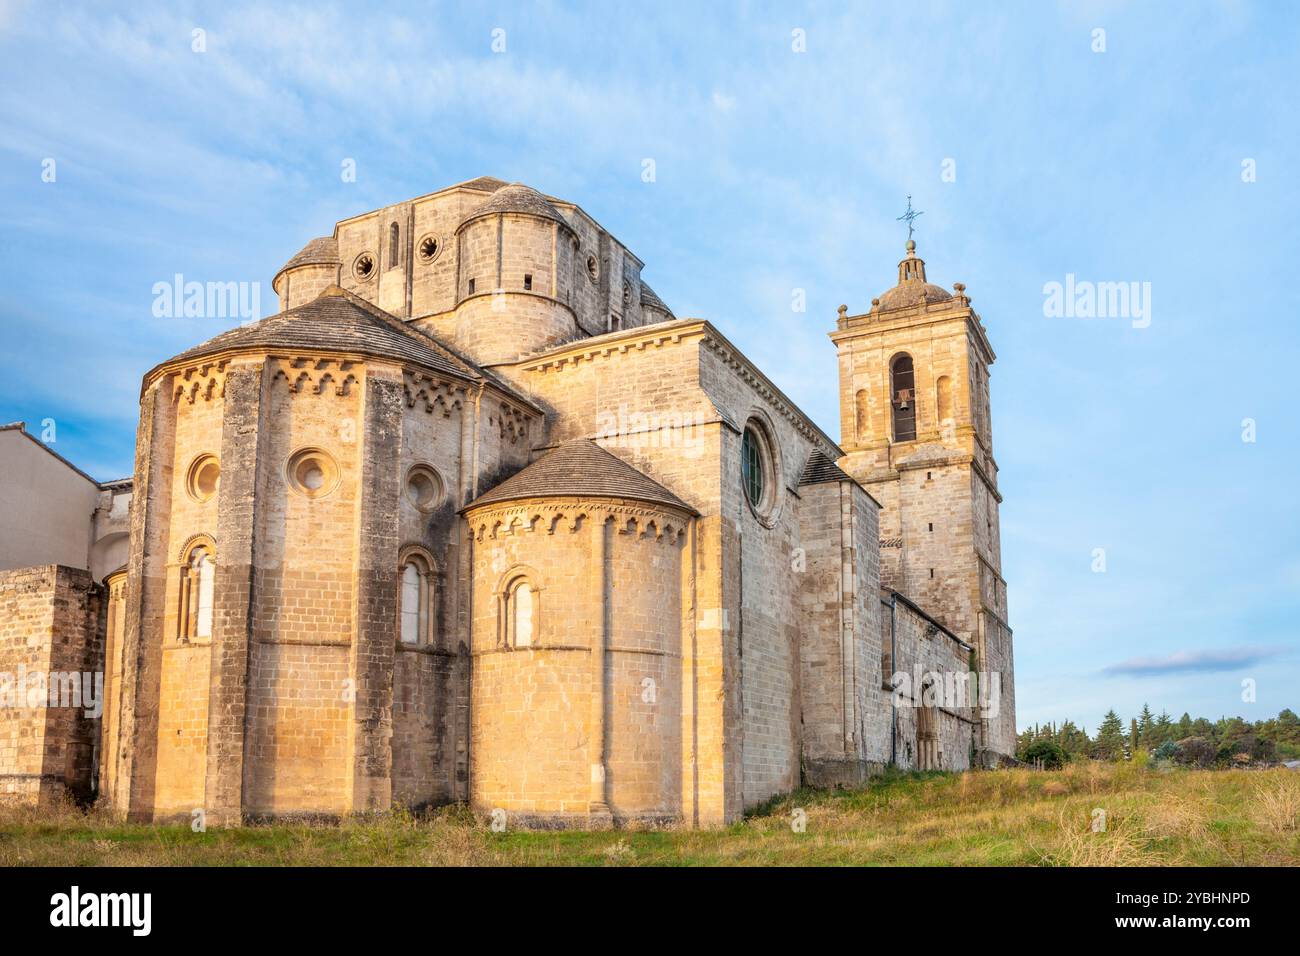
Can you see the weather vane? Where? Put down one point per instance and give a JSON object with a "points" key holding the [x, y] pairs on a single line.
{"points": [[909, 217]]}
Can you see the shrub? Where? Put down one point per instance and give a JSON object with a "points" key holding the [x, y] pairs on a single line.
{"points": [[1047, 752], [1196, 752], [1166, 751]]}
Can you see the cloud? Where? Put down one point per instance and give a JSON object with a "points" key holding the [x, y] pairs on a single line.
{"points": [[1180, 662]]}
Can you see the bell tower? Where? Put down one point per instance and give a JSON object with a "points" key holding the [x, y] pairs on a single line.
{"points": [[915, 426]]}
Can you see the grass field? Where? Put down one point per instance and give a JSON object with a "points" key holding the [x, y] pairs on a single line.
{"points": [[1005, 817]]}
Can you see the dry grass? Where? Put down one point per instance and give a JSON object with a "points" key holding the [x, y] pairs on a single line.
{"points": [[1006, 817], [1276, 804]]}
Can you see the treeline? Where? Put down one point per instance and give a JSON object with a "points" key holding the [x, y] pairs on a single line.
{"points": [[1200, 742]]}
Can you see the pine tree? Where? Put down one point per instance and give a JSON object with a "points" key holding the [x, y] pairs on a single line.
{"points": [[1109, 744], [1163, 730], [1145, 724]]}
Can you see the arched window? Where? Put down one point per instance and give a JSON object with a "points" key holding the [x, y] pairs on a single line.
{"points": [[418, 593], [198, 580], [521, 614], [393, 233], [520, 609], [902, 390]]}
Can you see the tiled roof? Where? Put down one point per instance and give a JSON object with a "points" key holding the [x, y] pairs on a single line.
{"points": [[335, 321], [487, 184], [517, 197], [912, 293], [580, 469], [319, 252], [821, 469], [649, 298]]}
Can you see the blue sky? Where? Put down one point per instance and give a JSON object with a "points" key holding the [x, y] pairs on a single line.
{"points": [[775, 170]]}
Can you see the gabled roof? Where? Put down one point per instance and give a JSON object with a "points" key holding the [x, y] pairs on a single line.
{"points": [[821, 469], [21, 429], [580, 469], [335, 321]]}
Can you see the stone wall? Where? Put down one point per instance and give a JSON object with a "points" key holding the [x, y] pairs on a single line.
{"points": [[430, 680], [929, 668], [51, 655], [180, 709], [582, 722], [844, 708], [763, 615], [302, 284], [503, 326], [497, 252]]}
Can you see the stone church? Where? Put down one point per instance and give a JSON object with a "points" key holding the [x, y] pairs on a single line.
{"points": [[475, 517]]}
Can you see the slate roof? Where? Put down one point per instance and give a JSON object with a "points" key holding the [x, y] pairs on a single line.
{"points": [[335, 321], [487, 184], [516, 197], [649, 298], [821, 469], [323, 251], [580, 469]]}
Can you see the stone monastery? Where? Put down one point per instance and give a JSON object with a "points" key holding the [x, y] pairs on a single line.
{"points": [[475, 517]]}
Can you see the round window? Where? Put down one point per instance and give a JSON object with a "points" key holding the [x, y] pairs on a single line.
{"points": [[363, 267], [312, 472], [424, 488], [593, 268], [760, 472], [204, 477], [428, 248]]}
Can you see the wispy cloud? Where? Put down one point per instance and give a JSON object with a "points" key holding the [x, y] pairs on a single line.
{"points": [[1182, 662]]}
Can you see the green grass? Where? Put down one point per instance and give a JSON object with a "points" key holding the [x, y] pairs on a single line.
{"points": [[1005, 817]]}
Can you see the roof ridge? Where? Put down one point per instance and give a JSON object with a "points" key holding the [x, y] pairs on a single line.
{"points": [[395, 323]]}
